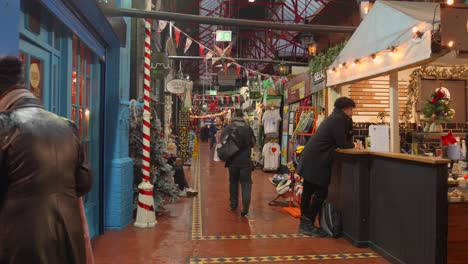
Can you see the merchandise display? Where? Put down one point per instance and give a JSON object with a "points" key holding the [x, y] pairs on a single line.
{"points": [[271, 121], [271, 156]]}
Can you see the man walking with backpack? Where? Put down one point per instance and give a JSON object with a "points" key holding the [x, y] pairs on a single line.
{"points": [[240, 164], [336, 131]]}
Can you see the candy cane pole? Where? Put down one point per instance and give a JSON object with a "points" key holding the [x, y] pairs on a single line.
{"points": [[145, 212]]}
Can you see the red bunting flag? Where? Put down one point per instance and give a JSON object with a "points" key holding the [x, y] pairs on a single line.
{"points": [[177, 36], [238, 68], [228, 99], [239, 98], [202, 51]]}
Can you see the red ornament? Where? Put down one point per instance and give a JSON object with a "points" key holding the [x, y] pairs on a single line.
{"points": [[433, 100], [440, 94]]}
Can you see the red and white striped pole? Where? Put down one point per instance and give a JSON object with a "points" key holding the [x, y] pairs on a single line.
{"points": [[145, 212]]}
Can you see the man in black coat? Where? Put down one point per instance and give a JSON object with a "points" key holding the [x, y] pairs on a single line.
{"points": [[240, 165], [336, 131]]}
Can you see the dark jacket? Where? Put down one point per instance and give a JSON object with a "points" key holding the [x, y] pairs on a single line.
{"points": [[317, 156], [245, 140], [43, 172]]}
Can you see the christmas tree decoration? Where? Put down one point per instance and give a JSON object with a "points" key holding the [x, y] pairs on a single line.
{"points": [[437, 109], [161, 173]]}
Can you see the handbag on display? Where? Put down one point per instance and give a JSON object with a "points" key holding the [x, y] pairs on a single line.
{"points": [[228, 148]]}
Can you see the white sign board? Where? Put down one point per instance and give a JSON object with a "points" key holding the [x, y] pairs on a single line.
{"points": [[176, 86], [379, 138], [223, 35]]}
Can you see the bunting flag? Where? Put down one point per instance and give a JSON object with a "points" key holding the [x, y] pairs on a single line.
{"points": [[188, 43], [275, 80], [238, 69], [228, 99], [233, 99], [222, 100], [202, 51], [177, 36], [162, 25], [208, 56], [239, 98]]}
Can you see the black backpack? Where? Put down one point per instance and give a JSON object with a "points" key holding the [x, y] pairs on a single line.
{"points": [[330, 220]]}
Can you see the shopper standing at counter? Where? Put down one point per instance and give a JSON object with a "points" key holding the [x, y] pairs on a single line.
{"points": [[336, 131]]}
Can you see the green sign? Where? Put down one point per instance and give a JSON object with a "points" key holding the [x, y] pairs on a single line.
{"points": [[223, 35], [212, 92]]}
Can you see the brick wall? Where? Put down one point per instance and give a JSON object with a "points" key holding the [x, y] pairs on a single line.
{"points": [[373, 96]]}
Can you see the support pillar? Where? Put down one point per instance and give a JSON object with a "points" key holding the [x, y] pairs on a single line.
{"points": [[394, 114]]}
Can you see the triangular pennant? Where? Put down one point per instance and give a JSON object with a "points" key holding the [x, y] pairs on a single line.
{"points": [[239, 98], [238, 69], [208, 56], [202, 50], [177, 36], [188, 43], [162, 25], [222, 100], [228, 99], [275, 79]]}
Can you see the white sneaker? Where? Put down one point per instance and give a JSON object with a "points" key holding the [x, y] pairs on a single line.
{"points": [[191, 191], [183, 193]]}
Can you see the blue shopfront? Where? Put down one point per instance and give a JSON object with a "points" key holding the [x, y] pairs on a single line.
{"points": [[73, 62]]}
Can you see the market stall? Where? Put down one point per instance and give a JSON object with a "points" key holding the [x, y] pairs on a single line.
{"points": [[431, 36]]}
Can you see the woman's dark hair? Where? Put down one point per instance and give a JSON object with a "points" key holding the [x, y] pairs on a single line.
{"points": [[344, 102], [11, 72]]}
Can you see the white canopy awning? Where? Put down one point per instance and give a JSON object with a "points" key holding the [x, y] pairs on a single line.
{"points": [[389, 24]]}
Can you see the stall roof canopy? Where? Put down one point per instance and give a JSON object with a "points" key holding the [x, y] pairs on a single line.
{"points": [[388, 24]]}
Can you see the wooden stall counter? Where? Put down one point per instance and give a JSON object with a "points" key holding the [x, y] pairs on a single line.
{"points": [[393, 203]]}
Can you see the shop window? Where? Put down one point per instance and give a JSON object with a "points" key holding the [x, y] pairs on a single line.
{"points": [[33, 19], [82, 76]]}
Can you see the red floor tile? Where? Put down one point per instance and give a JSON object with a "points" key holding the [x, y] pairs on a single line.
{"points": [[171, 240]]}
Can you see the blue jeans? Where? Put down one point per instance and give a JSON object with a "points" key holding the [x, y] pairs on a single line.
{"points": [[244, 177]]}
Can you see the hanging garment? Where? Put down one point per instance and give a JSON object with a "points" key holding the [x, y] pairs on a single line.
{"points": [[271, 154], [271, 121]]}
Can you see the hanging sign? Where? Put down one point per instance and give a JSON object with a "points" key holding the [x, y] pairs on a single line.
{"points": [[318, 77], [176, 86], [223, 35]]}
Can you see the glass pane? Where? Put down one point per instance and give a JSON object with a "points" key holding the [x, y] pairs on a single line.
{"points": [[80, 123], [73, 114], [34, 18], [87, 124], [73, 87], [88, 83], [75, 51], [82, 71], [57, 34], [35, 77]]}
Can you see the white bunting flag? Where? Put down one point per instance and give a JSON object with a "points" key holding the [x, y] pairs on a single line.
{"points": [[188, 43], [208, 56], [162, 25]]}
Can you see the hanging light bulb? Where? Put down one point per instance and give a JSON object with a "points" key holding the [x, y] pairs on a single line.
{"points": [[450, 44], [355, 62], [392, 51], [450, 2], [415, 29], [340, 66]]}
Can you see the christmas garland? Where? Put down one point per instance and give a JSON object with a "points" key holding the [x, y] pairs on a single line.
{"points": [[323, 60], [456, 72]]}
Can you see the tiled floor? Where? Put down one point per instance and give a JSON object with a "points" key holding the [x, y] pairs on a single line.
{"points": [[204, 230]]}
